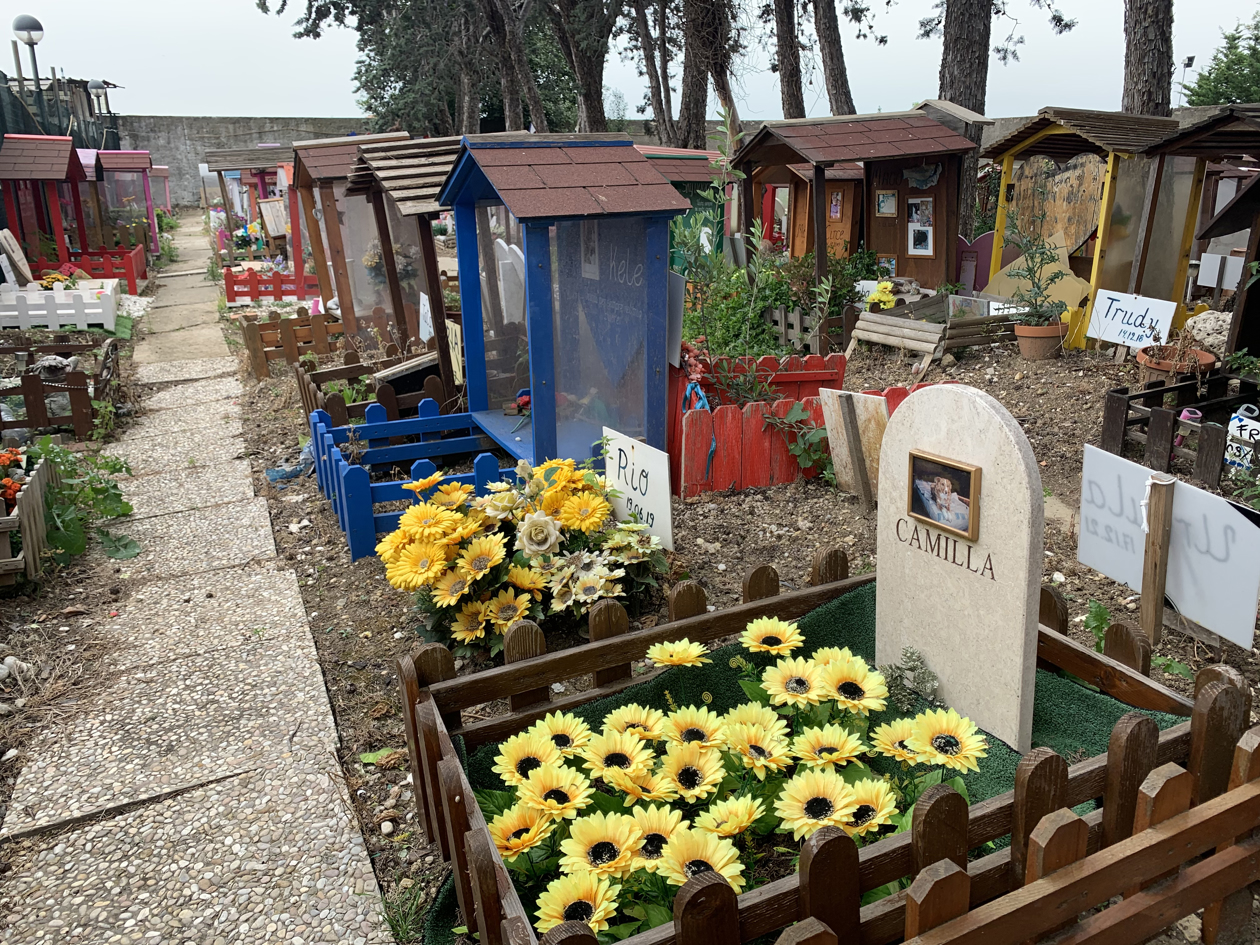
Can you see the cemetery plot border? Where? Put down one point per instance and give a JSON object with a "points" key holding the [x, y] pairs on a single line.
{"points": [[287, 339], [315, 394], [833, 872], [28, 524], [35, 393]]}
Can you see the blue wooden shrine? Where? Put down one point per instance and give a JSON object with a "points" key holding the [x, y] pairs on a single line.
{"points": [[563, 250]]}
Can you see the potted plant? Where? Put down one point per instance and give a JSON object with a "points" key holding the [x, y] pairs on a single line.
{"points": [[1038, 327], [1160, 361]]}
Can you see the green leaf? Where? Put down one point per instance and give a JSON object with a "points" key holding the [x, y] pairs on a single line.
{"points": [[606, 803], [372, 757], [119, 547], [880, 892], [855, 771], [70, 537], [929, 779], [1097, 621], [621, 932], [657, 915], [492, 803], [754, 691], [959, 785]]}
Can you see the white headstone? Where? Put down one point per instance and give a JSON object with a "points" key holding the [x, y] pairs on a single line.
{"points": [[641, 474], [970, 606]]}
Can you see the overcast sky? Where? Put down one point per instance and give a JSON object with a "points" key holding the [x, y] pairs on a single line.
{"points": [[224, 57]]}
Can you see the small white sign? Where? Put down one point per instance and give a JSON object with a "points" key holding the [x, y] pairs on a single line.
{"points": [[1214, 551], [1131, 320], [1210, 270], [641, 474]]}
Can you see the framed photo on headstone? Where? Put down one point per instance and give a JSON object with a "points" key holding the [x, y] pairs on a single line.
{"points": [[944, 493]]}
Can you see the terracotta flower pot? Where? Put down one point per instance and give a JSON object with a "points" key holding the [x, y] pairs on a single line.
{"points": [[1155, 364], [1041, 342]]}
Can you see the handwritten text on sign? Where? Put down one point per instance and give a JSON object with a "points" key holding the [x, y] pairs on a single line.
{"points": [[641, 474], [1132, 320], [1213, 555]]}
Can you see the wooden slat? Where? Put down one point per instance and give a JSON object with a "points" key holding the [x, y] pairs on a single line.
{"points": [[1113, 678]]}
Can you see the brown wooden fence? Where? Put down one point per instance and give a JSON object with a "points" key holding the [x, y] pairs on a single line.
{"points": [[833, 872], [287, 339], [28, 522], [313, 389], [35, 393]]}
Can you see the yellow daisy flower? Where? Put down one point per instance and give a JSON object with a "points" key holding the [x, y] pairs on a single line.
{"points": [[657, 824], [757, 713], [678, 653], [424, 485], [482, 555], [461, 534], [470, 623], [891, 739], [450, 587], [427, 522], [813, 799], [692, 852], [943, 737], [518, 829], [586, 512], [522, 753], [692, 771], [830, 745], [553, 501], [588, 588], [795, 681], [419, 564], [875, 806], [527, 579], [639, 720], [622, 751], [391, 546], [602, 843], [556, 790], [643, 787], [691, 726], [759, 750], [830, 654], [452, 495], [583, 897], [730, 817], [507, 608], [567, 732], [855, 686], [771, 635]]}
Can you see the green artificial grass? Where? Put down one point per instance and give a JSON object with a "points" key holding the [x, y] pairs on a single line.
{"points": [[1074, 721], [122, 327]]}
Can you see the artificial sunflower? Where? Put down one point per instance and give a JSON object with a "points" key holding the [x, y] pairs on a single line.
{"points": [[527, 579], [564, 470], [622, 751], [678, 653], [829, 654], [583, 897], [461, 534], [813, 799], [567, 732], [450, 587], [518, 829], [428, 522], [855, 686], [875, 806], [602, 843], [760, 750], [556, 791], [891, 739], [692, 771], [470, 623], [691, 726], [523, 753], [507, 608], [585, 513], [648, 724], [795, 681], [391, 546], [425, 484], [943, 737], [757, 713], [452, 495], [588, 587], [771, 635], [830, 745], [731, 816], [657, 824], [481, 555], [644, 787], [419, 564], [692, 852]]}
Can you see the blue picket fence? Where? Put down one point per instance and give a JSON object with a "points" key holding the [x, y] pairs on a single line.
{"points": [[348, 486]]}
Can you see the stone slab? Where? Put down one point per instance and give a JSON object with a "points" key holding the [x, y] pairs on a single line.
{"points": [[184, 293], [181, 396], [186, 370], [176, 449], [202, 341], [250, 612], [215, 421], [969, 606], [272, 855], [173, 725], [180, 317], [182, 490]]}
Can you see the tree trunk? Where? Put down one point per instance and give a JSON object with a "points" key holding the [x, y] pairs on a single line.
{"points": [[789, 55], [695, 98], [963, 81], [662, 26], [1148, 58], [469, 117], [647, 44], [708, 36], [583, 28], [835, 73], [515, 27], [513, 117]]}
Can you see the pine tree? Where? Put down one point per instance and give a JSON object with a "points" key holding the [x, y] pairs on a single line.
{"points": [[1233, 75]]}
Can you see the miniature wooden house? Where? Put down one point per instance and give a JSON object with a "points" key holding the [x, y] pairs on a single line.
{"points": [[124, 180], [41, 174], [583, 220], [257, 167]]}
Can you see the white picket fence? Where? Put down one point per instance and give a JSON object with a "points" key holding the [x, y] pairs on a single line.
{"points": [[56, 309]]}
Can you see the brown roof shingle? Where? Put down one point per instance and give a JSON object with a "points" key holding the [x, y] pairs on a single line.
{"points": [[39, 157], [856, 138], [1089, 132], [410, 171], [333, 158], [239, 159]]}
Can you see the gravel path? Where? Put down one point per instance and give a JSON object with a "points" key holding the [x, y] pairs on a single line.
{"points": [[198, 799]]}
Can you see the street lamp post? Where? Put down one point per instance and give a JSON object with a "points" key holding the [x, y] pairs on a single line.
{"points": [[30, 31]]}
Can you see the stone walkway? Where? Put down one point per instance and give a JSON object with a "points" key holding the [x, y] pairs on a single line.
{"points": [[198, 800]]}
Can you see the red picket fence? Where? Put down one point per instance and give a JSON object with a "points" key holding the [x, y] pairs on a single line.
{"points": [[127, 264], [249, 286]]}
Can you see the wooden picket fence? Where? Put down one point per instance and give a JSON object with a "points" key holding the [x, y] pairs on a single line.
{"points": [[56, 310], [833, 872], [287, 339], [127, 264], [312, 389], [35, 392], [28, 521], [249, 286]]}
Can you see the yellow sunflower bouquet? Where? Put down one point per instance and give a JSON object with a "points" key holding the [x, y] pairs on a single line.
{"points": [[546, 543]]}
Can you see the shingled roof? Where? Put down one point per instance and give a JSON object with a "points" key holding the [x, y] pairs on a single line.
{"points": [[333, 158], [39, 157], [1232, 132], [87, 158], [410, 171], [124, 160], [849, 138], [1088, 132], [239, 159], [680, 164], [576, 175], [160, 170]]}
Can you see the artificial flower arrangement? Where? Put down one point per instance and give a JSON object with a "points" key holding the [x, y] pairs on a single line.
{"points": [[883, 295], [406, 261], [545, 545], [12, 477], [603, 826]]}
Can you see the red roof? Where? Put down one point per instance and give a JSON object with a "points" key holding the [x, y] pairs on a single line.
{"points": [[680, 164], [867, 138], [124, 160], [160, 170], [566, 179], [39, 157]]}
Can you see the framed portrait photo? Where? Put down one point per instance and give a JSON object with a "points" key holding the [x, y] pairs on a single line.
{"points": [[886, 203], [945, 494], [889, 263], [590, 249], [919, 241]]}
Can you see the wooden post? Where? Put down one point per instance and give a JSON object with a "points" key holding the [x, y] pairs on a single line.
{"points": [[485, 887], [524, 640], [53, 205], [940, 893], [746, 200], [829, 564], [857, 456], [1243, 294], [1149, 207], [295, 235], [609, 619], [430, 747], [687, 599], [1040, 789], [341, 272], [80, 224], [227, 220], [1105, 207], [1130, 758], [317, 244], [386, 240], [938, 829], [569, 933], [103, 230], [254, 346], [408, 693], [437, 307], [830, 890], [1187, 233], [705, 912], [809, 932], [1059, 840], [1127, 644], [455, 810], [761, 582], [1155, 562], [1229, 920], [999, 221], [1053, 609], [1217, 724], [1165, 793], [818, 199]]}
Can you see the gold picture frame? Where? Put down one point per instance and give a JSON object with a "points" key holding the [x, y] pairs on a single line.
{"points": [[944, 493], [882, 200]]}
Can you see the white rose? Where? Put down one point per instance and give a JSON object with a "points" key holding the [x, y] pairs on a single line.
{"points": [[538, 534]]}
